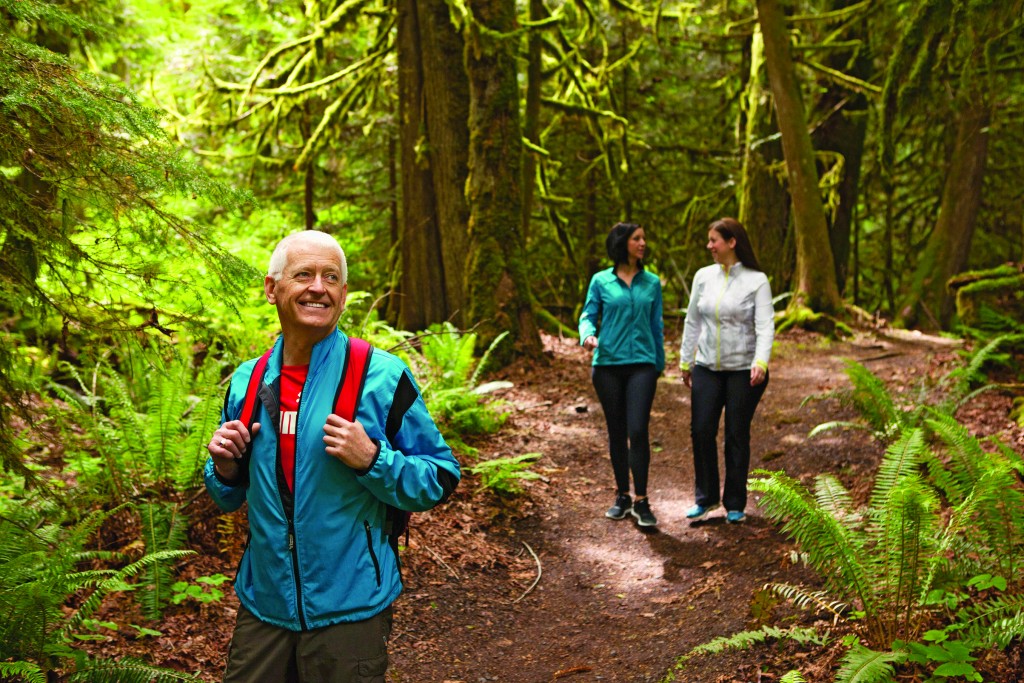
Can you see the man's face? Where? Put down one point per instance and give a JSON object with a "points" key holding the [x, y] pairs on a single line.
{"points": [[309, 296]]}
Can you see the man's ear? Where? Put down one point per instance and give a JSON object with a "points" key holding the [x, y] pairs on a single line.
{"points": [[344, 295], [269, 284]]}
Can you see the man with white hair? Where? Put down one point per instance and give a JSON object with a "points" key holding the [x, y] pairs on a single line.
{"points": [[320, 572]]}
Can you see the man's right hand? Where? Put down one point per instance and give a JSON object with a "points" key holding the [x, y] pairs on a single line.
{"points": [[227, 445]]}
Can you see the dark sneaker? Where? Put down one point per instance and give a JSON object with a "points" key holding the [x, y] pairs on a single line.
{"points": [[623, 504], [643, 514], [699, 511]]}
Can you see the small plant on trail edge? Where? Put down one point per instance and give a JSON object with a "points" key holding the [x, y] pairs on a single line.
{"points": [[450, 386], [503, 475], [205, 593]]}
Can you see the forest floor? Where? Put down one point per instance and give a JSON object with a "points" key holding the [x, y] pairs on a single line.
{"points": [[542, 587]]}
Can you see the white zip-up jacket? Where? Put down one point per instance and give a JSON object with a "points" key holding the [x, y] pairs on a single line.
{"points": [[730, 322]]}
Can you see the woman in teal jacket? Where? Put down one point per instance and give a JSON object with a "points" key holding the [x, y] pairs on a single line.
{"points": [[622, 324]]}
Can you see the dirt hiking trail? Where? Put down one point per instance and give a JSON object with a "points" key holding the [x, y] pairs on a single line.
{"points": [[614, 602]]}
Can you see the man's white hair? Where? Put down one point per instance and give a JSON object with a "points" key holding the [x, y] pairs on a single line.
{"points": [[279, 259]]}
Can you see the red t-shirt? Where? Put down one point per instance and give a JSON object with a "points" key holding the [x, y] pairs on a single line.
{"points": [[292, 379]]}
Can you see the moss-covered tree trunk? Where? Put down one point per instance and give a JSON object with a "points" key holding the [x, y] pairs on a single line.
{"points": [[815, 283], [764, 200], [497, 286], [531, 120], [434, 106], [844, 115], [929, 303]]}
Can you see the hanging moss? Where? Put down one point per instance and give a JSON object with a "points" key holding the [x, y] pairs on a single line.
{"points": [[999, 289]]}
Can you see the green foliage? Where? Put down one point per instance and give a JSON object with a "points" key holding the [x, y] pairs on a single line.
{"points": [[139, 421], [40, 569], [863, 665], [871, 398], [503, 475], [941, 531], [164, 528], [204, 590], [745, 640], [450, 372]]}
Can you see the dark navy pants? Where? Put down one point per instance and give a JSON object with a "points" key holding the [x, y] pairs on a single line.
{"points": [[713, 391], [626, 393]]}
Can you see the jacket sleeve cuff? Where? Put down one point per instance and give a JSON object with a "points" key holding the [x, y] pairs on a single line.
{"points": [[761, 364], [685, 367], [228, 482], [376, 457]]}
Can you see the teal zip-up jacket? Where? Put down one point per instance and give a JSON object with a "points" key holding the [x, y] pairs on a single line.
{"points": [[626, 319], [730, 321], [320, 556]]}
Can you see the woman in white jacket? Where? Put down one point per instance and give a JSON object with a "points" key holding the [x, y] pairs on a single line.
{"points": [[727, 342]]}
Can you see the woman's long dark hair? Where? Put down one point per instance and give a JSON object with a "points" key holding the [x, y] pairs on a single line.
{"points": [[730, 228], [617, 241]]}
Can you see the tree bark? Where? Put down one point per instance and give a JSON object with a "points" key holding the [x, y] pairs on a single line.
{"points": [[433, 96], [499, 295], [764, 199], [815, 285], [843, 130], [929, 303]]}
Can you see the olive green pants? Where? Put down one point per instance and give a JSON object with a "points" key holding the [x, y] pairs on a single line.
{"points": [[350, 652]]}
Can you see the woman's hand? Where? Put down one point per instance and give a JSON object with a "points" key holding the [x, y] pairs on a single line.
{"points": [[757, 375], [687, 376], [590, 343]]}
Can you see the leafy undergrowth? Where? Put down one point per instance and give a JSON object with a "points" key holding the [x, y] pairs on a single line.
{"points": [[539, 587]]}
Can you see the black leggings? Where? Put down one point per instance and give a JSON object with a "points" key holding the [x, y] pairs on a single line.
{"points": [[626, 393], [711, 392]]}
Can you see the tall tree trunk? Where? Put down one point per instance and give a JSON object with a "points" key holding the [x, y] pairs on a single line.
{"points": [[433, 97], [764, 199], [499, 295], [531, 120], [929, 302], [815, 285], [843, 130]]}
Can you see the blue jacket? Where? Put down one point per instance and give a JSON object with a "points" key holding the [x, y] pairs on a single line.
{"points": [[321, 556], [625, 319]]}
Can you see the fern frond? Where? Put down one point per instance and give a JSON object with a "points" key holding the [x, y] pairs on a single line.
{"points": [[482, 365], [835, 500], [908, 528], [832, 548], [805, 599], [995, 622], [793, 676], [872, 399], [901, 459], [835, 424], [861, 665], [127, 671], [26, 671], [745, 639]]}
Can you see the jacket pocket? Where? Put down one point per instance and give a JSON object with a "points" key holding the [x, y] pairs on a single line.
{"points": [[369, 547]]}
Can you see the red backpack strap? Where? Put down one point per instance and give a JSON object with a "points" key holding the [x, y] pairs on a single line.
{"points": [[249, 406], [252, 392], [350, 388]]}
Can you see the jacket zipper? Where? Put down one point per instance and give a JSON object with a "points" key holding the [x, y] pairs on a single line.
{"points": [[373, 555], [718, 321], [292, 545]]}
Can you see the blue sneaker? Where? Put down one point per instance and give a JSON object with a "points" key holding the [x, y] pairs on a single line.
{"points": [[735, 516], [699, 511]]}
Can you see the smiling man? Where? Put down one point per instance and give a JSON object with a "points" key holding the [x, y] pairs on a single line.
{"points": [[320, 571]]}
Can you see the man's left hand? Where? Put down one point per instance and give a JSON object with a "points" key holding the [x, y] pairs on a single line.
{"points": [[349, 443]]}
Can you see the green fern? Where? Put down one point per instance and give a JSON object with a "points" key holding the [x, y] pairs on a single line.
{"points": [[39, 562], [862, 665], [504, 474], [164, 527]]}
